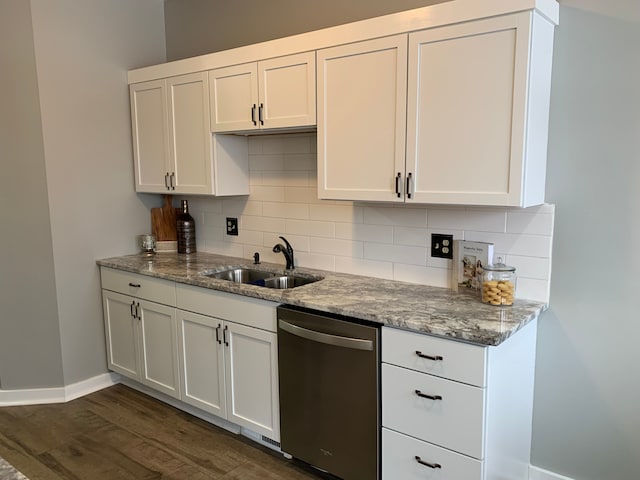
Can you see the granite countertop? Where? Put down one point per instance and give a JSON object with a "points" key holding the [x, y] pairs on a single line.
{"points": [[421, 308]]}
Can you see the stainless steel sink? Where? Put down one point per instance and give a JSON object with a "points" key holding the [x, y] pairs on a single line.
{"points": [[288, 281], [240, 275], [261, 278]]}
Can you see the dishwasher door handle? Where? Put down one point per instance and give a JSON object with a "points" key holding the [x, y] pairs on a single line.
{"points": [[336, 340]]}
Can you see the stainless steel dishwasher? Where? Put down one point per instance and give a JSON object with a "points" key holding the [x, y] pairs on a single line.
{"points": [[329, 392]]}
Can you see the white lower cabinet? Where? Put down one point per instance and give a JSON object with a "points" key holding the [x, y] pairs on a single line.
{"points": [[217, 351], [229, 367], [442, 420], [141, 341]]}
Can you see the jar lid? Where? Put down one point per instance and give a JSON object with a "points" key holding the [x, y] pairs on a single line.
{"points": [[500, 267]]}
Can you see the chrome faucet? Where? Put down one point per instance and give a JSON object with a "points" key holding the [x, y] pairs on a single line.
{"points": [[286, 251]]}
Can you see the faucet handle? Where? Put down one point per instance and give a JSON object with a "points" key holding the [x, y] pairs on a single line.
{"points": [[289, 247]]}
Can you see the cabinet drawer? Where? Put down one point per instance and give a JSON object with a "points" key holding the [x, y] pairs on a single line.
{"points": [[453, 360], [454, 421], [228, 306], [140, 286], [399, 461]]}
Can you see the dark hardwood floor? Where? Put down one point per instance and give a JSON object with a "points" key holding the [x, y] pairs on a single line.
{"points": [[119, 433]]}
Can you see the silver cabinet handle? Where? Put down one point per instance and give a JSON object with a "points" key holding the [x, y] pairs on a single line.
{"points": [[429, 357], [166, 180], [224, 335], [427, 464], [335, 340], [218, 335], [430, 397], [261, 114], [253, 114], [409, 185], [399, 184], [138, 316], [172, 180], [131, 309]]}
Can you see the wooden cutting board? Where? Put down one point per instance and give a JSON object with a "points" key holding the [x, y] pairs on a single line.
{"points": [[163, 221]]}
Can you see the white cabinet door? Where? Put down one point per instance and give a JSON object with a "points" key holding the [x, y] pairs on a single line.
{"points": [[159, 347], [361, 120], [189, 134], [202, 362], [150, 136], [234, 98], [466, 111], [274, 93], [173, 147], [287, 91], [121, 334], [252, 379]]}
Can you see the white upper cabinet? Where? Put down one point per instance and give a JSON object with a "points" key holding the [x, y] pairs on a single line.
{"points": [[274, 93], [471, 126], [476, 115], [361, 119], [173, 151]]}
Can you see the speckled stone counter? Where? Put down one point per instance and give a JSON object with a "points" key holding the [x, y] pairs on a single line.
{"points": [[421, 308]]}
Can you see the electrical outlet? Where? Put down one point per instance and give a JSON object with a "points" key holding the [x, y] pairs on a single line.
{"points": [[441, 245], [232, 226]]}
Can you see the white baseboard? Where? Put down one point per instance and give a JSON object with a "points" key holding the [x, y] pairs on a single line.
{"points": [[37, 396], [536, 473]]}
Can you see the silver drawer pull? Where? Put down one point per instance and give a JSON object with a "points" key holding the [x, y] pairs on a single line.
{"points": [[430, 397], [134, 285], [427, 464], [429, 357]]}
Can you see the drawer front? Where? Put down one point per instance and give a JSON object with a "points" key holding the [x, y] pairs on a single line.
{"points": [[140, 286], [399, 461], [454, 421], [454, 360], [228, 306]]}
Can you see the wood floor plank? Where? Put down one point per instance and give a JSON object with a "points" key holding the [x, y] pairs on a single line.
{"points": [[120, 433]]}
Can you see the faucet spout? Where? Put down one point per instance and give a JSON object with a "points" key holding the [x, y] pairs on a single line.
{"points": [[287, 251]]}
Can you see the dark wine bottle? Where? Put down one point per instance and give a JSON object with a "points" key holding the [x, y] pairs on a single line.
{"points": [[186, 227]]}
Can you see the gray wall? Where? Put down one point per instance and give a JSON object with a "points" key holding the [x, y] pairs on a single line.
{"points": [[195, 27], [68, 195], [587, 393], [29, 333], [586, 422]]}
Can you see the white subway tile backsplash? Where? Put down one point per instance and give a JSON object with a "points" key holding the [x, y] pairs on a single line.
{"points": [[361, 231], [317, 260], [295, 178], [361, 266], [396, 253], [514, 244], [223, 248], [298, 211], [311, 228], [336, 246], [464, 219], [437, 277], [267, 193], [379, 240], [301, 194], [412, 236], [529, 223], [336, 213], [262, 224], [409, 217], [266, 163], [530, 267], [300, 243]]}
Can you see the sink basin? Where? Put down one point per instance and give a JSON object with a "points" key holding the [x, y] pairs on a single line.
{"points": [[261, 278], [288, 281], [241, 275]]}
